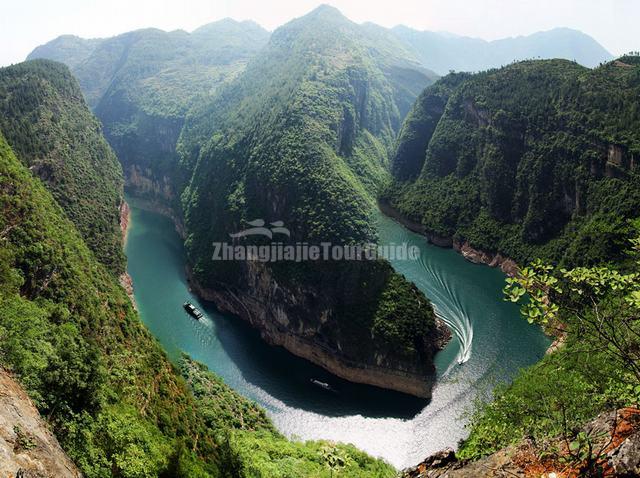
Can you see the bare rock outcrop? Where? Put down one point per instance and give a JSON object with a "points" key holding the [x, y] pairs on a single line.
{"points": [[28, 449]]}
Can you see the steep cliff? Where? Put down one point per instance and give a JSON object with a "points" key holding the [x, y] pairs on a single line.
{"points": [[48, 125], [28, 449], [141, 84], [537, 159], [118, 407], [303, 136]]}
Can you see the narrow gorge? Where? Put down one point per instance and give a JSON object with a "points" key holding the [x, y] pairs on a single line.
{"points": [[332, 249]]}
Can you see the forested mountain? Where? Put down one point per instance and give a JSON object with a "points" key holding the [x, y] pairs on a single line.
{"points": [[142, 83], [442, 52], [47, 123], [538, 159], [69, 334], [303, 136], [229, 126]]}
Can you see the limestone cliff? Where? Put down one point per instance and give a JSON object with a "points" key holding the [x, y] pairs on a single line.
{"points": [[305, 322], [28, 449]]}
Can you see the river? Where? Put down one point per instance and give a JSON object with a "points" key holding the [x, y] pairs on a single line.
{"points": [[490, 338]]}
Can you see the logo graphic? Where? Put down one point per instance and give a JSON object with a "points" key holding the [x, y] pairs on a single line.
{"points": [[258, 229], [303, 251]]}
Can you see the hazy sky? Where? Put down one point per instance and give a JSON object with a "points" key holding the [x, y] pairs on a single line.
{"points": [[24, 24]]}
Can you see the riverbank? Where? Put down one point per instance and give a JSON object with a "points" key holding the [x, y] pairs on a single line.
{"points": [[398, 427], [476, 256], [125, 279], [270, 320]]}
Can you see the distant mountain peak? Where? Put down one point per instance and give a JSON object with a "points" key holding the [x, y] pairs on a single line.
{"points": [[227, 24], [443, 52], [326, 12], [326, 9]]}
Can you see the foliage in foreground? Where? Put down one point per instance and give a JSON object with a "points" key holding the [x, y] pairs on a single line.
{"points": [[254, 447], [117, 405], [597, 311]]}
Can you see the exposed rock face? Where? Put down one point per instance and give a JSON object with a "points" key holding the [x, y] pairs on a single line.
{"points": [[146, 183], [626, 459], [290, 319], [27, 448], [615, 443], [125, 279], [506, 265], [444, 464]]}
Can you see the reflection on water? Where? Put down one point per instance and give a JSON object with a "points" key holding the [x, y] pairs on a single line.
{"points": [[489, 338]]}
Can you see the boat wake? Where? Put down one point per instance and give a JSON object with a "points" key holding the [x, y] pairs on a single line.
{"points": [[449, 309]]}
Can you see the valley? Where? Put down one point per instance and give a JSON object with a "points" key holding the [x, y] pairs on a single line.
{"points": [[506, 340], [488, 335]]}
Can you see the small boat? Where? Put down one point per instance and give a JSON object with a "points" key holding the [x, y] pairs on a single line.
{"points": [[324, 385], [192, 310]]}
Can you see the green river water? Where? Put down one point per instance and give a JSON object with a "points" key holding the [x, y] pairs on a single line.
{"points": [[490, 338]]}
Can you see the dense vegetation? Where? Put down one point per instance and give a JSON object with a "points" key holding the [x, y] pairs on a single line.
{"points": [[117, 405], [539, 160], [535, 160], [257, 450], [596, 368], [47, 123], [141, 84], [303, 136], [70, 334]]}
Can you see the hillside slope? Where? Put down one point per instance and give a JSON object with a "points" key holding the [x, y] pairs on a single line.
{"points": [[70, 334], [26, 444], [538, 159], [47, 123], [119, 408], [142, 83], [303, 137]]}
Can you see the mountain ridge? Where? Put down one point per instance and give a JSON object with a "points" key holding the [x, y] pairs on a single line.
{"points": [[302, 135], [47, 123], [443, 52]]}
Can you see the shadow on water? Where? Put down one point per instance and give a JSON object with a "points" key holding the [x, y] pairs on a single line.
{"points": [[288, 378], [229, 346], [489, 338]]}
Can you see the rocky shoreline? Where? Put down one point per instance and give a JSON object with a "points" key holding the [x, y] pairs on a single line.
{"points": [[272, 322], [28, 448], [125, 279], [476, 256]]}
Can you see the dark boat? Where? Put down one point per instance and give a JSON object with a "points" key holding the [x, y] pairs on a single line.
{"points": [[192, 310], [323, 385]]}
